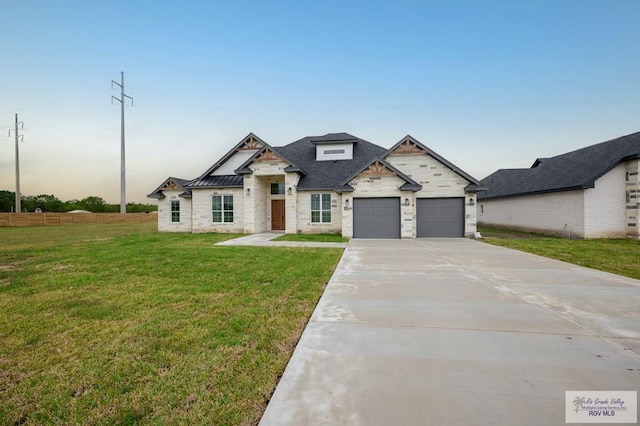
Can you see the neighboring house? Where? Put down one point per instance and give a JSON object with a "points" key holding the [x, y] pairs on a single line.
{"points": [[335, 183], [592, 192]]}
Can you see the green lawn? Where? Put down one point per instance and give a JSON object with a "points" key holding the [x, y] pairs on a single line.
{"points": [[320, 238], [117, 324], [619, 256]]}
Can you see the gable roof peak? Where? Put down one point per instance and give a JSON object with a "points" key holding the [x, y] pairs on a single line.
{"points": [[380, 167], [249, 142], [268, 153], [410, 145], [170, 184]]}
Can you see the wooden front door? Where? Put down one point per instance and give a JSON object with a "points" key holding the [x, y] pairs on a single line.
{"points": [[277, 215]]}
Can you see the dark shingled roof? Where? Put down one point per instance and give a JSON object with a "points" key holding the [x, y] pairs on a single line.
{"points": [[328, 175], [222, 181], [574, 170]]}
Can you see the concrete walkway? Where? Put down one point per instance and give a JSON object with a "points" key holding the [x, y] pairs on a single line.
{"points": [[457, 332], [265, 239]]}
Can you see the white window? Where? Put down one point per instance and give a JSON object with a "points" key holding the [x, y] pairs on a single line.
{"points": [[320, 208], [175, 211], [222, 206]]}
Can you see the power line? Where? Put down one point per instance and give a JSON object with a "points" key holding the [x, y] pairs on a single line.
{"points": [[123, 196]]}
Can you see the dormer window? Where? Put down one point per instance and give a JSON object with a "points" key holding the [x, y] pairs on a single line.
{"points": [[334, 150]]}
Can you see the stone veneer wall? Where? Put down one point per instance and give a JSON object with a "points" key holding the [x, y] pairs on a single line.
{"points": [[258, 198], [291, 203], [438, 181], [632, 195], [366, 186], [164, 213], [203, 211], [304, 214]]}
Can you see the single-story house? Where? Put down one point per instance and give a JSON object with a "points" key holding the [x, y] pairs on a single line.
{"points": [[336, 183], [593, 192]]}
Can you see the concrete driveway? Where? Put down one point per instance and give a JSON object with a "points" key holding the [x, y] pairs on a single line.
{"points": [[458, 332]]}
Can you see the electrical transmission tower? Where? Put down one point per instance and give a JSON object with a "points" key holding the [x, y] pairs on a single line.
{"points": [[18, 137], [121, 99]]}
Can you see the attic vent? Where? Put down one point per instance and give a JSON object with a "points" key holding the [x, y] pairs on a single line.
{"points": [[333, 151]]}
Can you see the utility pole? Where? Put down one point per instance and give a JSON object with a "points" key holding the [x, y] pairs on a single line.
{"points": [[18, 138], [123, 187]]}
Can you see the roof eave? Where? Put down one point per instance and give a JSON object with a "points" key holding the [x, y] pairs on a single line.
{"points": [[214, 186], [544, 191], [346, 188], [472, 188], [293, 169], [411, 187], [243, 171]]}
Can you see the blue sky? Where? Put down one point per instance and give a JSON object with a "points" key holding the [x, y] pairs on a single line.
{"points": [[486, 84]]}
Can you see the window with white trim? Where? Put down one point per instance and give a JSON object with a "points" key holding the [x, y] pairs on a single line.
{"points": [[222, 207], [320, 208], [175, 210]]}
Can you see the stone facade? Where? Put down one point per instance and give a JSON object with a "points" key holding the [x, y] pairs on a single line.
{"points": [[305, 226], [632, 198], [438, 181], [385, 185], [202, 204], [164, 213]]}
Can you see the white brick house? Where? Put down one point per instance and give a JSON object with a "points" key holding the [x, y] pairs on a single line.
{"points": [[593, 192], [335, 183]]}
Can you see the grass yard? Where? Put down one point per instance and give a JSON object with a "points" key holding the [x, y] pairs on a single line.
{"points": [[118, 324], [619, 256], [319, 238]]}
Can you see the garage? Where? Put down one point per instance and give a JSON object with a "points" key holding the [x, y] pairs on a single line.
{"points": [[440, 217], [376, 217]]}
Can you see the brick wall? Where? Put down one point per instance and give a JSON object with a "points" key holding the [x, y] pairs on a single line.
{"points": [[604, 210], [599, 212]]}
